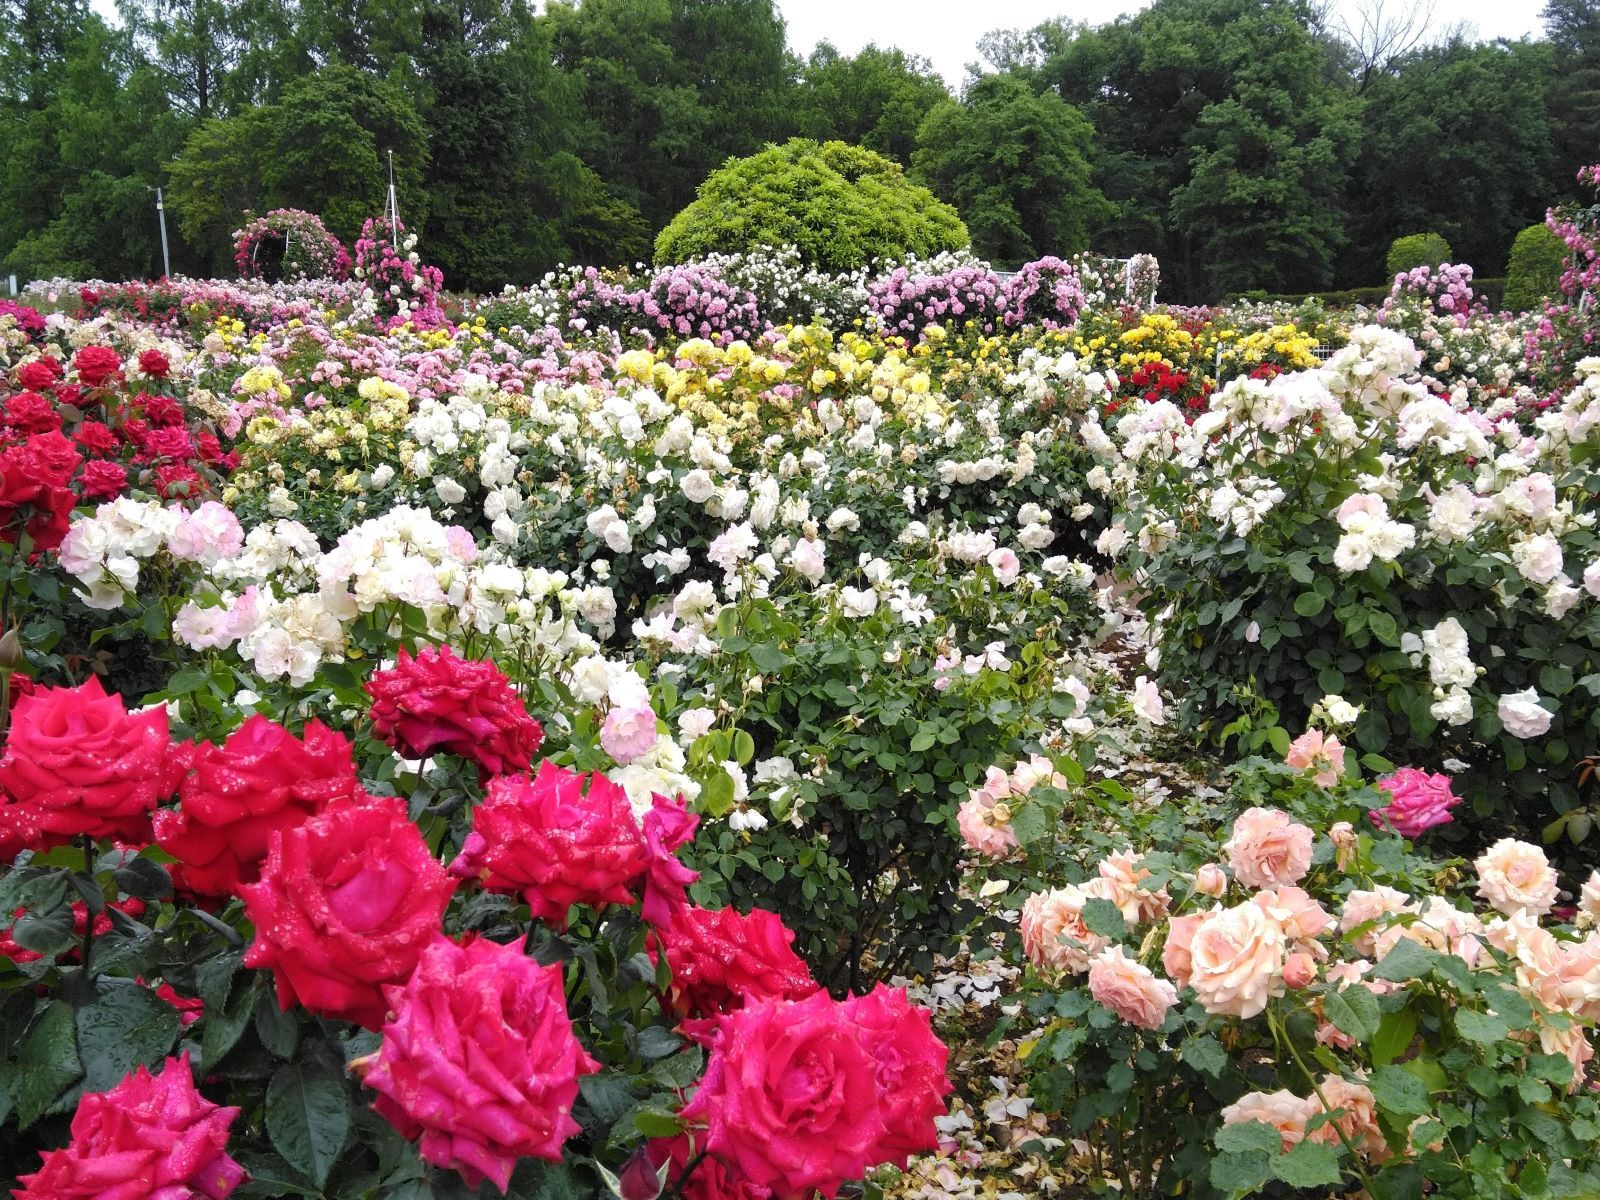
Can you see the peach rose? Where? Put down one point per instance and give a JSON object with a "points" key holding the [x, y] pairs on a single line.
{"points": [[1297, 911], [1211, 880], [1516, 876], [1589, 902], [1357, 1122], [1343, 836], [1130, 989], [1175, 958], [1579, 974], [1442, 927], [1123, 878], [1573, 1045], [1268, 849], [1053, 933], [1299, 971], [1362, 907], [1236, 960], [1283, 1110], [986, 827], [1323, 757]]}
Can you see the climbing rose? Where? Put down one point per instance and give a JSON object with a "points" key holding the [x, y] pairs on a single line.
{"points": [[437, 701], [479, 1060], [1418, 801], [346, 903], [262, 779], [560, 838], [150, 1136], [722, 960], [78, 762]]}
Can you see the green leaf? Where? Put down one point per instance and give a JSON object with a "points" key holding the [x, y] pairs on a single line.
{"points": [[1482, 1028], [1310, 604], [1247, 1136], [1394, 1036], [744, 747], [145, 879], [656, 1123], [308, 1115], [222, 1027], [1102, 917], [279, 1031], [1279, 739], [1240, 1174], [1399, 1091], [923, 739], [1407, 960], [46, 933], [1030, 823], [1353, 1011], [127, 1026], [1403, 1182], [49, 1063], [1309, 1165], [1383, 628], [656, 1041], [1205, 1054], [768, 658]]}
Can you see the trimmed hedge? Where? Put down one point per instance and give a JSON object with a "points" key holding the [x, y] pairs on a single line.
{"points": [[1538, 257], [1490, 291], [840, 206], [1416, 250]]}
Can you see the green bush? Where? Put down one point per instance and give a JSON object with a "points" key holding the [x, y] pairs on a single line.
{"points": [[1538, 257], [839, 205], [1416, 250]]}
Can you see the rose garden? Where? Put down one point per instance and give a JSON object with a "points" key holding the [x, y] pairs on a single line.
{"points": [[760, 728]]}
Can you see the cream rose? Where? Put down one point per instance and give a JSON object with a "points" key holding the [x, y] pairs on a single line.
{"points": [[1236, 960], [1516, 877]]}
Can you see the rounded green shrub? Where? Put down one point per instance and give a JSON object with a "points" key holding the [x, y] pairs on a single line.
{"points": [[1416, 250], [1538, 257], [840, 206]]}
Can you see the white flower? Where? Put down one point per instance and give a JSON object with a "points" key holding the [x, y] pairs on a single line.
{"points": [[382, 476], [807, 558], [1353, 553], [858, 602], [1523, 715], [843, 518], [695, 723], [1537, 558], [449, 490], [1147, 701], [698, 486]]}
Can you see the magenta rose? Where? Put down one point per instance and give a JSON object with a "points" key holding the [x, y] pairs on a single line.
{"points": [[479, 1060], [78, 762], [910, 1063], [722, 960], [790, 1099], [261, 780], [559, 839], [346, 902], [150, 1136], [1417, 802], [437, 701]]}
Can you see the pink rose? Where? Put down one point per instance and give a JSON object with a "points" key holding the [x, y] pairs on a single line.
{"points": [[1363, 907], [1005, 565], [628, 733], [1236, 961], [1210, 880], [1054, 936], [1516, 877], [1175, 957], [909, 1062], [1268, 849], [1297, 912], [150, 1136], [1282, 1110], [1418, 802], [1130, 989], [1356, 1121], [479, 1060], [1324, 757], [1299, 971], [1124, 886], [986, 827]]}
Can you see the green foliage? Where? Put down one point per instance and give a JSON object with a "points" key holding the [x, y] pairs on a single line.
{"points": [[1415, 250], [1538, 257], [840, 206], [1015, 163], [876, 99]]}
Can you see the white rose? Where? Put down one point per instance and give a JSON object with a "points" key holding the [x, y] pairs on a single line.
{"points": [[1523, 715]]}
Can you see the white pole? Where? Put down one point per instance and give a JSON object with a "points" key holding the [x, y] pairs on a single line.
{"points": [[394, 209], [161, 215]]}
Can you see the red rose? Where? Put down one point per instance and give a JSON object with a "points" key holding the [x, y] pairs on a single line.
{"points": [[34, 497], [169, 442], [151, 1135], [96, 438], [722, 960], [162, 410], [71, 393], [479, 1060], [262, 779], [190, 1008], [910, 1066], [790, 1098], [39, 374], [78, 762], [560, 839], [346, 902], [96, 365], [177, 481], [668, 825], [102, 480], [154, 364], [210, 449], [80, 923], [29, 412], [53, 457], [437, 701]]}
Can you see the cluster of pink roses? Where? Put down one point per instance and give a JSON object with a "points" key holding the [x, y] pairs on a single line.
{"points": [[479, 1062], [984, 818]]}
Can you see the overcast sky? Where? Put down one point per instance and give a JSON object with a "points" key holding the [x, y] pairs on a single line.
{"points": [[947, 31]]}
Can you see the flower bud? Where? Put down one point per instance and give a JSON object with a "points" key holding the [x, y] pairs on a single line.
{"points": [[1299, 971], [1210, 880], [11, 656]]}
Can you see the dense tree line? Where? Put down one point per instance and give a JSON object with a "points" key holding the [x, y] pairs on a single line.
{"points": [[1245, 142]]}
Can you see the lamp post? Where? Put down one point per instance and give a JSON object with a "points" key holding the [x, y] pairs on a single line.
{"points": [[161, 217], [394, 209]]}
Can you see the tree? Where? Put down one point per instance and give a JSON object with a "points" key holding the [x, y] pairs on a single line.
{"points": [[1573, 27], [1015, 163], [1472, 119], [669, 89], [840, 206], [875, 99]]}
